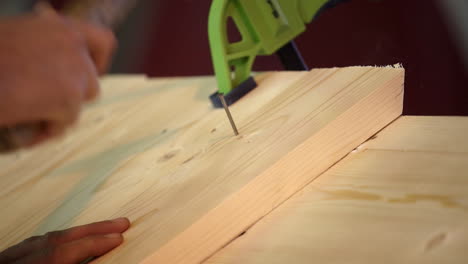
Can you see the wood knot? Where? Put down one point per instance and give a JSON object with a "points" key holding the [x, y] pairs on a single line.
{"points": [[435, 241], [188, 160], [168, 156]]}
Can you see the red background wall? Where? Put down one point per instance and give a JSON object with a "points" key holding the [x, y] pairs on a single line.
{"points": [[358, 32]]}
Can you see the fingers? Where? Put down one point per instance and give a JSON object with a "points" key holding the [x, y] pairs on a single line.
{"points": [[93, 233], [18, 251], [60, 60], [92, 89], [80, 250], [101, 44], [76, 251], [74, 96], [119, 225]]}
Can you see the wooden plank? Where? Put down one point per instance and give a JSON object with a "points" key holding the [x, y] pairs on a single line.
{"points": [[447, 134], [81, 170], [171, 164], [400, 198], [335, 126]]}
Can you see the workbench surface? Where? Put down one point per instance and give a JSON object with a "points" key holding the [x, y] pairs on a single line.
{"points": [[401, 197]]}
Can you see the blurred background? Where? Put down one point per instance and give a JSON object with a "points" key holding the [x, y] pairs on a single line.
{"points": [[429, 37]]}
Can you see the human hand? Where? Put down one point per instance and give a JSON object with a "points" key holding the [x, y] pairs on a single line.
{"points": [[49, 66], [71, 246]]}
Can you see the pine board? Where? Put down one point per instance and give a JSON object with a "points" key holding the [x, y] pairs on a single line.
{"points": [[155, 151], [401, 197]]}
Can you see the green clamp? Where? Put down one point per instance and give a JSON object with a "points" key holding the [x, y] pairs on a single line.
{"points": [[265, 26]]}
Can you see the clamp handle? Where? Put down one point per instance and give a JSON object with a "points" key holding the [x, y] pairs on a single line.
{"points": [[265, 27]]}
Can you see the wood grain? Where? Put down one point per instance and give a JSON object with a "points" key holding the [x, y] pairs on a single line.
{"points": [[155, 151], [402, 197]]}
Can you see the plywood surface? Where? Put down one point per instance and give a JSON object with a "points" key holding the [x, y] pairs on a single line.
{"points": [[155, 151], [402, 197]]}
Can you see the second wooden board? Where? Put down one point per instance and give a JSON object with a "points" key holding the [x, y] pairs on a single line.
{"points": [[400, 198]]}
